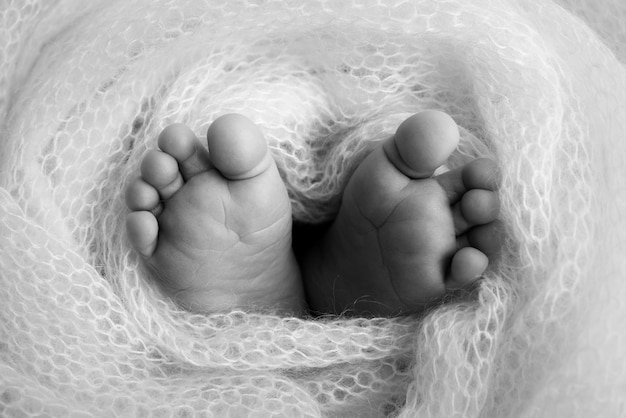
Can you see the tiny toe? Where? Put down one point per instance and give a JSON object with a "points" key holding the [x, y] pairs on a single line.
{"points": [[423, 143], [486, 238], [477, 207], [141, 196], [481, 173], [480, 206], [160, 170], [181, 143], [237, 147], [142, 229], [467, 265]]}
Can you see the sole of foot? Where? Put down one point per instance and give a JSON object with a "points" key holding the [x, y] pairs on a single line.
{"points": [[213, 225], [404, 238]]}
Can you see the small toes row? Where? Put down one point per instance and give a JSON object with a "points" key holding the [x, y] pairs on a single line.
{"points": [[476, 223], [159, 180], [161, 176]]}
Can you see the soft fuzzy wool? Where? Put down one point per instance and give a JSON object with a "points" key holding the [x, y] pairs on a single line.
{"points": [[85, 87]]}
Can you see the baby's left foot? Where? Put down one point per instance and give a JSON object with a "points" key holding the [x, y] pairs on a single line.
{"points": [[403, 238]]}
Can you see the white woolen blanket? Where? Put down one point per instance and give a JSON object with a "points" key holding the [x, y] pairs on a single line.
{"points": [[85, 87]]}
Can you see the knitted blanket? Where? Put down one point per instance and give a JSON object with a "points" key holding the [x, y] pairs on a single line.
{"points": [[85, 88]]}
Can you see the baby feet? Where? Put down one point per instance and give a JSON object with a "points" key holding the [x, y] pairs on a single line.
{"points": [[215, 226], [403, 238]]}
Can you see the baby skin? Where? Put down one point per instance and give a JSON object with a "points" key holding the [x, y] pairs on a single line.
{"points": [[215, 227]]}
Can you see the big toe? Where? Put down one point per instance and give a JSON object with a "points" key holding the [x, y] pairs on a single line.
{"points": [[237, 147], [422, 143]]}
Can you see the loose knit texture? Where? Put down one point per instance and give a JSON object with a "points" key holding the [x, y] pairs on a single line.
{"points": [[85, 88]]}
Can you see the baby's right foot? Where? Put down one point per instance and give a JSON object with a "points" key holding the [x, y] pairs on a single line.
{"points": [[215, 227], [404, 237]]}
